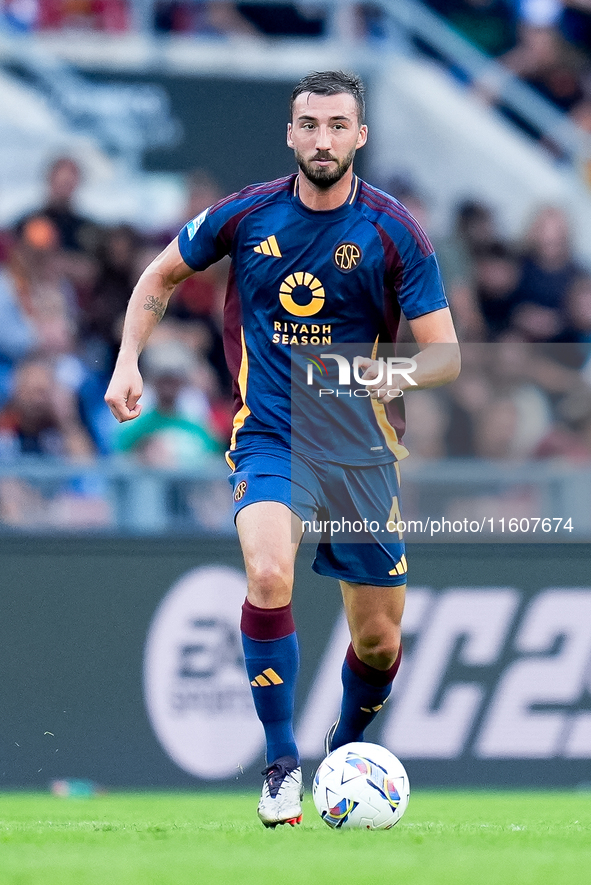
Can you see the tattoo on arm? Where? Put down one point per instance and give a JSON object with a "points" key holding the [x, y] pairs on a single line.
{"points": [[154, 304]]}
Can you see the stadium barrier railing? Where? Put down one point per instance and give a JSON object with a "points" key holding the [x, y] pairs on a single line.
{"points": [[452, 499]]}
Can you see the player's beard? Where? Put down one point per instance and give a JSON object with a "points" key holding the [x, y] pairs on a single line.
{"points": [[324, 176]]}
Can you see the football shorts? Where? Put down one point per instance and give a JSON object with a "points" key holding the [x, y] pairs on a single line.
{"points": [[351, 513]]}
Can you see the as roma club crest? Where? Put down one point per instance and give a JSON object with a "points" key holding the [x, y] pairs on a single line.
{"points": [[347, 256], [240, 490]]}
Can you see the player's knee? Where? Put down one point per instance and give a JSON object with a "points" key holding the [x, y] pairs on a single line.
{"points": [[270, 583], [379, 650]]}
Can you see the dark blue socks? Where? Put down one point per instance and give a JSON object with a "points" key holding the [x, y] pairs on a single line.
{"points": [[272, 661], [365, 691]]}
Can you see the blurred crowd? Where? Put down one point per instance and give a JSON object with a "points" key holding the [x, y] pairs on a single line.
{"points": [[522, 309], [65, 282], [64, 286], [522, 306], [523, 313], [213, 18], [545, 43]]}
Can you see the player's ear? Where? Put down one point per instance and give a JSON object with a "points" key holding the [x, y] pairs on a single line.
{"points": [[362, 137], [289, 138]]}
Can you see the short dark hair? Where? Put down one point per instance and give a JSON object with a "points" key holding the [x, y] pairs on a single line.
{"points": [[331, 83]]}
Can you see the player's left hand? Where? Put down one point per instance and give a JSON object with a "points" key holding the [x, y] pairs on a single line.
{"points": [[379, 391]]}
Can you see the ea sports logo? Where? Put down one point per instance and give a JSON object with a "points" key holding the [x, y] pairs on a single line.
{"points": [[196, 688], [347, 256], [309, 291], [240, 490]]}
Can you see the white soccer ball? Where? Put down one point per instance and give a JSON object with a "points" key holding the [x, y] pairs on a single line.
{"points": [[361, 786]]}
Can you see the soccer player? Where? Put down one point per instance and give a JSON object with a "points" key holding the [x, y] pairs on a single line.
{"points": [[318, 258]]}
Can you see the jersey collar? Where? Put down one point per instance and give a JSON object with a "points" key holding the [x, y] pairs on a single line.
{"points": [[327, 214]]}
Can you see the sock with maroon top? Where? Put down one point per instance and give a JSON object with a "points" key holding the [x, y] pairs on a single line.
{"points": [[365, 691], [272, 661]]}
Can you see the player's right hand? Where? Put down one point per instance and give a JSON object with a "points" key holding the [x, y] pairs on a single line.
{"points": [[124, 391]]}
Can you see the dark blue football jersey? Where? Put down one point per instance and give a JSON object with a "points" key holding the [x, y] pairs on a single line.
{"points": [[304, 284]]}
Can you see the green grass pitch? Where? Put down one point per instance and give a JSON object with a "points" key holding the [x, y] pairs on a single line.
{"points": [[445, 838]]}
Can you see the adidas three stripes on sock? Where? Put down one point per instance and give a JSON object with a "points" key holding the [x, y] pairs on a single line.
{"points": [[272, 661]]}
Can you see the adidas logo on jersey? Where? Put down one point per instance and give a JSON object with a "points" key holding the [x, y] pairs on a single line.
{"points": [[269, 246], [267, 677], [400, 568]]}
